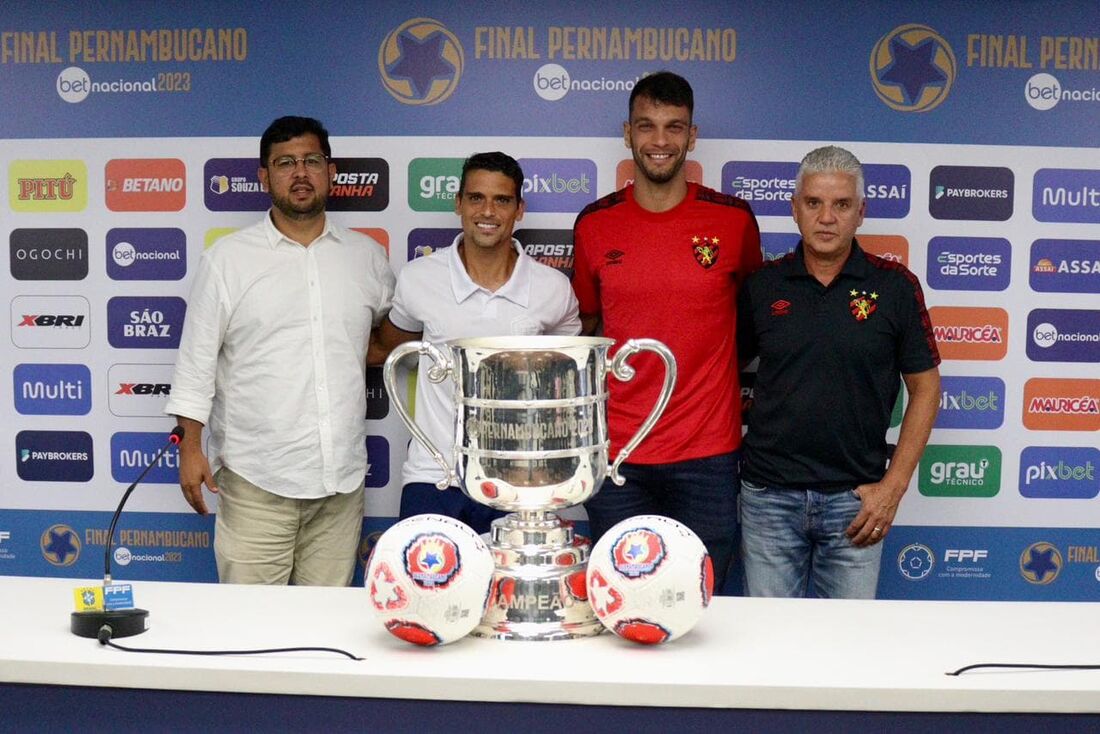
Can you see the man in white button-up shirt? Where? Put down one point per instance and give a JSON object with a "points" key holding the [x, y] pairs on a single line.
{"points": [[483, 285], [272, 361]]}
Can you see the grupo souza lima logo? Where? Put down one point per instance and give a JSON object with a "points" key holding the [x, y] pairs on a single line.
{"points": [[132, 453], [552, 82], [52, 389], [420, 62], [1043, 92], [971, 402], [969, 263], [146, 253], [558, 184], [912, 68], [145, 323], [424, 241], [1065, 266], [1058, 335], [1066, 195], [960, 471], [916, 561], [233, 185], [1040, 563], [1062, 472]]}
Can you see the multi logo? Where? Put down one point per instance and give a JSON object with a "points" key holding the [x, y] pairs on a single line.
{"points": [[1066, 195]]}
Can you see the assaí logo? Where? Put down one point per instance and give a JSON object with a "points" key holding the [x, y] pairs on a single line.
{"points": [[1061, 404], [50, 322], [558, 184], [1063, 335], [886, 188], [132, 453], [1065, 266], [146, 254], [1066, 195], [971, 402], [962, 332], [52, 389], [1061, 472], [960, 471], [54, 456], [145, 323], [433, 184], [969, 263]]}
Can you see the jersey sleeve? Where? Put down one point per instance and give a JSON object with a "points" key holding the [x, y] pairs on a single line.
{"points": [[917, 350], [585, 279]]}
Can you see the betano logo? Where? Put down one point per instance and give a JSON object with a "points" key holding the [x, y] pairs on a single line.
{"points": [[960, 471], [420, 62], [970, 333], [912, 68], [146, 185], [47, 186], [1061, 404], [892, 247]]}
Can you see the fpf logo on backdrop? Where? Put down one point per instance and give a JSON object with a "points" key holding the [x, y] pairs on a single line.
{"points": [[47, 186], [146, 253], [1065, 266], [132, 453], [960, 471], [1066, 195], [420, 62], [49, 254], [54, 456], [138, 389], [969, 263], [50, 322], [1061, 472], [146, 185], [145, 323], [912, 68], [971, 402], [558, 184], [1061, 404], [52, 389], [360, 185], [971, 192], [233, 185], [1057, 335], [434, 183], [970, 333]]}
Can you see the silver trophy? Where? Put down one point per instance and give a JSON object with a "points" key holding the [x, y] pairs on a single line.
{"points": [[531, 438]]}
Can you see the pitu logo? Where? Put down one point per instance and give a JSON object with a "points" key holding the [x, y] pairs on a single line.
{"points": [[145, 323], [1059, 472]]}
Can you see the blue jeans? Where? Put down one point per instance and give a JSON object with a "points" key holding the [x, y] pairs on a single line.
{"points": [[793, 544], [418, 498], [700, 493]]}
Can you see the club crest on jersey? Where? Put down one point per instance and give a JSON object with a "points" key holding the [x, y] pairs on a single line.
{"points": [[863, 304], [638, 552], [385, 592], [705, 250], [432, 560]]}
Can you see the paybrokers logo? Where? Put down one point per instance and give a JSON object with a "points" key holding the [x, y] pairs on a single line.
{"points": [[971, 192], [960, 471], [1061, 404], [970, 333]]}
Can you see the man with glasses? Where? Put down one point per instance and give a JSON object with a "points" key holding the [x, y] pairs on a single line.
{"points": [[272, 359]]}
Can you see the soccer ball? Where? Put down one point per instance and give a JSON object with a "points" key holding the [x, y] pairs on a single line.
{"points": [[649, 579], [428, 579]]}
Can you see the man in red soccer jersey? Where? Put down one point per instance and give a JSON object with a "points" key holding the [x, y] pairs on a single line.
{"points": [[663, 258]]}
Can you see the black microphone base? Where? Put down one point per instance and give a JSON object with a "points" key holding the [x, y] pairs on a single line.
{"points": [[123, 623]]}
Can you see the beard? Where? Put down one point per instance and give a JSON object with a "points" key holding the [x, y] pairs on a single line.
{"points": [[298, 210], [655, 176]]}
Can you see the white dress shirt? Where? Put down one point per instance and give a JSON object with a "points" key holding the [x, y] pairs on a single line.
{"points": [[436, 296], [273, 353]]}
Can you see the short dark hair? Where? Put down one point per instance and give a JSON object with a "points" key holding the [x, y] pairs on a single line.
{"points": [[286, 128], [495, 161], [663, 87]]}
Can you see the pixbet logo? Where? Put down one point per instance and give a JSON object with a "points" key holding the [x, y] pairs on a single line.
{"points": [[1059, 472], [971, 402], [558, 184]]}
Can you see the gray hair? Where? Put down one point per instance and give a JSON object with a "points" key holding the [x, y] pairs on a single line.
{"points": [[830, 159]]}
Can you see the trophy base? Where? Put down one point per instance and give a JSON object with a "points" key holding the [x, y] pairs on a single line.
{"points": [[539, 590]]}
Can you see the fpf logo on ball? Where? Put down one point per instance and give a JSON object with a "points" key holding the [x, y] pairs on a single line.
{"points": [[420, 62], [912, 68]]}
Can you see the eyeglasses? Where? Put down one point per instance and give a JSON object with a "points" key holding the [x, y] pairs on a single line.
{"points": [[287, 164]]}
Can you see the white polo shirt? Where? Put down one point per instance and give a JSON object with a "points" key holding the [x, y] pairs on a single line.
{"points": [[436, 296], [273, 353]]}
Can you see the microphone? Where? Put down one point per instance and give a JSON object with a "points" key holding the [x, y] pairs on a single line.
{"points": [[122, 622]]}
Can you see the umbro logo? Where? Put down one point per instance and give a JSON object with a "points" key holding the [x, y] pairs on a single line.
{"points": [[781, 308], [614, 257]]}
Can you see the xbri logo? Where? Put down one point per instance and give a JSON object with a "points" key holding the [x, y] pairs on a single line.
{"points": [[145, 323], [50, 322], [971, 192], [52, 389], [54, 456], [139, 389], [49, 254]]}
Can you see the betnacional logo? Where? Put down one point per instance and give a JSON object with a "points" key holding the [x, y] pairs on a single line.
{"points": [[378, 461], [553, 81], [1065, 266], [886, 188], [916, 561], [1044, 91], [145, 322], [52, 389], [969, 263], [558, 184], [1066, 195], [136, 390], [960, 471], [1060, 472], [1057, 335], [780, 244], [420, 62], [971, 192], [50, 322], [1040, 563], [971, 402], [133, 453], [767, 185], [233, 185], [551, 247], [912, 68], [426, 240], [434, 183], [49, 254], [60, 545], [146, 254], [47, 186], [963, 332], [360, 185], [54, 456], [1061, 404], [894, 248], [146, 185], [624, 173]]}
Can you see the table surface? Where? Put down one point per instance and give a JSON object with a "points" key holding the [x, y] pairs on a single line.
{"points": [[745, 653]]}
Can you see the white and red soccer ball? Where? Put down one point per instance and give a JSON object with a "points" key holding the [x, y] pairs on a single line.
{"points": [[650, 579], [428, 579]]}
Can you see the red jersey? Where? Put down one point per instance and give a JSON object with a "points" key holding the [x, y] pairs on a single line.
{"points": [[671, 276]]}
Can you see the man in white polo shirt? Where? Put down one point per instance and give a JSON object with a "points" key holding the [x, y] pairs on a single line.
{"points": [[483, 285]]}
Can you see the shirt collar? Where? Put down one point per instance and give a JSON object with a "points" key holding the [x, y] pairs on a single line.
{"points": [[275, 237], [517, 289], [856, 266]]}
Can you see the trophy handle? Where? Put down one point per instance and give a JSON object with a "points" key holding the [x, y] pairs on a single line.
{"points": [[625, 372], [437, 373]]}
